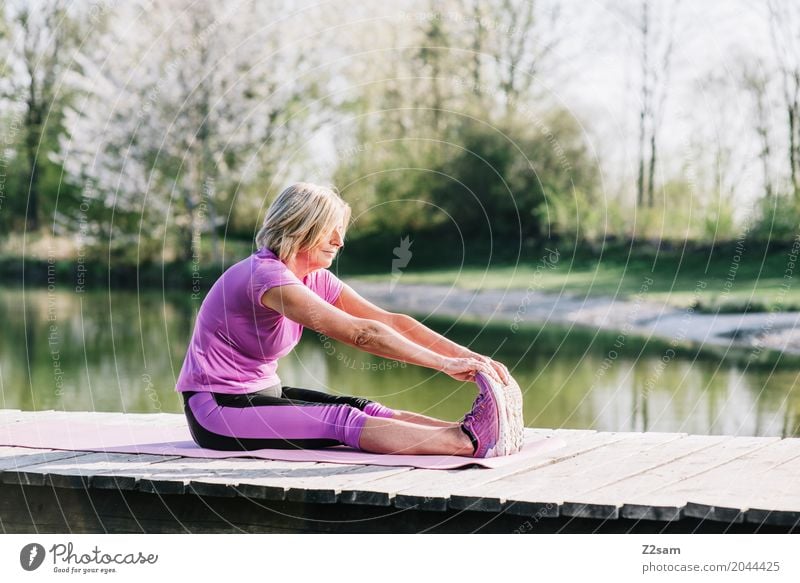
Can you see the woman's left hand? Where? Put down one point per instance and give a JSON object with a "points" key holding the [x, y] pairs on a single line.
{"points": [[500, 369]]}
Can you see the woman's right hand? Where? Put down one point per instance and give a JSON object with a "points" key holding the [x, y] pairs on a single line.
{"points": [[465, 369]]}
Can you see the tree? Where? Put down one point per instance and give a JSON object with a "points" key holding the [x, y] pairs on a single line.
{"points": [[783, 17], [755, 82], [517, 182], [453, 65], [40, 41], [185, 107], [657, 42], [523, 43], [653, 25]]}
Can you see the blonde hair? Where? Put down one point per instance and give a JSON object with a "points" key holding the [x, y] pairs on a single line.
{"points": [[300, 217]]}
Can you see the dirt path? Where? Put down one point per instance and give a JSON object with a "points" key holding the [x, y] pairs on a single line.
{"points": [[764, 330]]}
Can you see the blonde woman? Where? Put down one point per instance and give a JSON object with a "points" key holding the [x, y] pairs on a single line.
{"points": [[254, 314]]}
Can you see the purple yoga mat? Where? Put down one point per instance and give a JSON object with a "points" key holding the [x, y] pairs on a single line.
{"points": [[77, 432]]}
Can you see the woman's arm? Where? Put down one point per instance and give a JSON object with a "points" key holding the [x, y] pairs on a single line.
{"points": [[303, 306], [353, 303]]}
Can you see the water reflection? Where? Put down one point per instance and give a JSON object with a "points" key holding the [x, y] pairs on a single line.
{"points": [[122, 352]]}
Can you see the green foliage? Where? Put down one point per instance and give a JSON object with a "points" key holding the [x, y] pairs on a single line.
{"points": [[385, 182], [439, 153], [12, 203], [508, 181], [680, 212], [718, 222], [488, 185], [778, 219]]}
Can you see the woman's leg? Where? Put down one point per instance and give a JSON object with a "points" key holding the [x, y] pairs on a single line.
{"points": [[257, 421], [371, 408], [410, 417], [397, 432], [402, 437]]}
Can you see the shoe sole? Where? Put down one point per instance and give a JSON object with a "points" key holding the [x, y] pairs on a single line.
{"points": [[515, 421], [509, 407]]}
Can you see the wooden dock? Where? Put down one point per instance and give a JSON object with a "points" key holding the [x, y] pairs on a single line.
{"points": [[599, 482]]}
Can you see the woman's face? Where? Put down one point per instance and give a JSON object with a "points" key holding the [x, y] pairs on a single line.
{"points": [[322, 255]]}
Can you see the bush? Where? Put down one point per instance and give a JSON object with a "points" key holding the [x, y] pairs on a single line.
{"points": [[512, 182], [777, 219], [522, 180]]}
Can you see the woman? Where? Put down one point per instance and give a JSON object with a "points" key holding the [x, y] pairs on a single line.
{"points": [[254, 314]]}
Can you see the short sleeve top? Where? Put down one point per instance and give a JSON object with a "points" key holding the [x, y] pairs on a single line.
{"points": [[236, 341]]}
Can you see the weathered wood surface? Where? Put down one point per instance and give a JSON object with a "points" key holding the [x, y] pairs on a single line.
{"points": [[666, 477]]}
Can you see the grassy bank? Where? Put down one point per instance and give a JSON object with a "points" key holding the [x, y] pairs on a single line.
{"points": [[735, 276], [578, 341], [730, 277]]}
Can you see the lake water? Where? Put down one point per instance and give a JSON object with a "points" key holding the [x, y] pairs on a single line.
{"points": [[121, 351]]}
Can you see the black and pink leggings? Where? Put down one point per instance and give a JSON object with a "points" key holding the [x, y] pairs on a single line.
{"points": [[298, 419]]}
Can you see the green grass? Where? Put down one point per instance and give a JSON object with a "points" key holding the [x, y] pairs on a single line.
{"points": [[752, 282]]}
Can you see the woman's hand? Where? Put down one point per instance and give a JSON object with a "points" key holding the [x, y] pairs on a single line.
{"points": [[499, 370], [465, 369]]}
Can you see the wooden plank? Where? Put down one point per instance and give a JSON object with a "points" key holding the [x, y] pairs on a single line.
{"points": [[632, 487], [409, 497], [664, 491], [149, 480], [100, 470], [15, 463], [481, 495], [79, 469], [266, 479], [552, 485], [314, 485], [630, 474], [380, 490], [648, 475], [352, 479], [54, 510], [765, 478], [791, 485], [773, 517], [13, 457], [176, 475], [99, 419], [430, 489]]}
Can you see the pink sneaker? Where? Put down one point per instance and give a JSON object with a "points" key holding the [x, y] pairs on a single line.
{"points": [[482, 423], [508, 400]]}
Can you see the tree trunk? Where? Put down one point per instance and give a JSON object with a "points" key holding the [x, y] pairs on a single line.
{"points": [[33, 134], [792, 147], [209, 186], [187, 251], [651, 177], [762, 129], [32, 208], [643, 109], [477, 48], [640, 181], [766, 154]]}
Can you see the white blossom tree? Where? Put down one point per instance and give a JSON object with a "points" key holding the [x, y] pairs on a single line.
{"points": [[185, 104], [38, 42]]}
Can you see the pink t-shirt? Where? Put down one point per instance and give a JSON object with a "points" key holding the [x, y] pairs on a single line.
{"points": [[236, 342]]}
